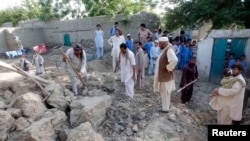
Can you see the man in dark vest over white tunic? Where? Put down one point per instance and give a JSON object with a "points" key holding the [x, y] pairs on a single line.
{"points": [[165, 73]]}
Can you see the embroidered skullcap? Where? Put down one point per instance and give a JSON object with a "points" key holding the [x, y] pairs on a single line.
{"points": [[163, 39]]}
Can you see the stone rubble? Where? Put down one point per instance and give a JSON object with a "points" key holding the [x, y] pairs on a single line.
{"points": [[100, 112]]}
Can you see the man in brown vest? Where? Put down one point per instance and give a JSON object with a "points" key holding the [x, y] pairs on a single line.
{"points": [[164, 73]]}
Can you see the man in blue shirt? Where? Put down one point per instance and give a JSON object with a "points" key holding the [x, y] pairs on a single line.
{"points": [[148, 46], [231, 60], [244, 63], [155, 52], [130, 43], [113, 28]]}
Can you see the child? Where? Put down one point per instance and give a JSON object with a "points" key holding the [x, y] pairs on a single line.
{"points": [[130, 43], [231, 60], [146, 60], [148, 46], [38, 62], [24, 63], [218, 102], [99, 41]]}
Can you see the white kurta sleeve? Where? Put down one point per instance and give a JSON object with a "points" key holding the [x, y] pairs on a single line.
{"points": [[131, 58], [236, 88], [172, 59], [84, 63], [110, 41], [69, 53], [123, 39]]}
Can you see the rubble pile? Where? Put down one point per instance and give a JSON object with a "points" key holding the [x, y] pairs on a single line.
{"points": [[101, 111]]}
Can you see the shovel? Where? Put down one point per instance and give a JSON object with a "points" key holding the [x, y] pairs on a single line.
{"points": [[75, 70], [186, 86]]}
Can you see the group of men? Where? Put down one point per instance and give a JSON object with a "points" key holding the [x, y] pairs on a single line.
{"points": [[164, 62], [130, 62]]}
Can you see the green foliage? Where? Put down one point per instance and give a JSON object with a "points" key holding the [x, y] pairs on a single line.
{"points": [[13, 15], [222, 13], [113, 7], [47, 9]]}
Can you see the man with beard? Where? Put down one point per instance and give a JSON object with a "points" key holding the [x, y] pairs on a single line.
{"points": [[164, 73], [232, 113], [128, 69], [189, 74], [78, 58]]}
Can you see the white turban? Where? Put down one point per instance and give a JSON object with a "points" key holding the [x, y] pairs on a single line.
{"points": [[163, 39]]}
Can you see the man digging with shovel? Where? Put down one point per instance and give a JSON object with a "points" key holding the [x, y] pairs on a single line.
{"points": [[77, 61]]}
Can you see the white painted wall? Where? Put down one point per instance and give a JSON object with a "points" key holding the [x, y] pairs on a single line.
{"points": [[204, 54]]}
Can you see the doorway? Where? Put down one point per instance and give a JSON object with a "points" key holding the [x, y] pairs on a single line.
{"points": [[222, 48]]}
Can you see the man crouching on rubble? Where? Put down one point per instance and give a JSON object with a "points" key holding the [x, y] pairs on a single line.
{"points": [[78, 58]]}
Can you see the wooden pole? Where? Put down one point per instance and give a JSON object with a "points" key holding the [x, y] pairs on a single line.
{"points": [[11, 68]]}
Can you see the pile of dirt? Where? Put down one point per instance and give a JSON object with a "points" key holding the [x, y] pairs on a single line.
{"points": [[101, 111]]}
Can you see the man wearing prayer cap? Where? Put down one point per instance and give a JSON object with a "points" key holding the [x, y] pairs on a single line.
{"points": [[165, 73]]}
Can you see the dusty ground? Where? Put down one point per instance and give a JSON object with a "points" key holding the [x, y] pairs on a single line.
{"points": [[134, 119]]}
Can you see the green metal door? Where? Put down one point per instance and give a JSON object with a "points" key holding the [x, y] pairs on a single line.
{"points": [[238, 46], [218, 58]]}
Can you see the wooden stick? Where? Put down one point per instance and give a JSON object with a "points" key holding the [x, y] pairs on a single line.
{"points": [[11, 68], [47, 94], [187, 85]]}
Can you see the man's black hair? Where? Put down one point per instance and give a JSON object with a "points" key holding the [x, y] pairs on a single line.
{"points": [[238, 66], [139, 43], [98, 25], [182, 32], [123, 45], [116, 22], [143, 25], [232, 54], [243, 55]]}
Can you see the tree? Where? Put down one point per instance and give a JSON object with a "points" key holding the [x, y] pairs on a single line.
{"points": [[46, 11], [13, 15], [32, 8], [114, 7], [222, 13]]}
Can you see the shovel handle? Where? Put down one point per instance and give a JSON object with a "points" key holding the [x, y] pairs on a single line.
{"points": [[187, 85]]}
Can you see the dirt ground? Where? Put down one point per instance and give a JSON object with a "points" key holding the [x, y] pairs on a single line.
{"points": [[136, 119]]}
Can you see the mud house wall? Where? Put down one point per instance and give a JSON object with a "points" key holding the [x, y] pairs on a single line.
{"points": [[205, 48], [84, 28], [3, 44], [28, 36]]}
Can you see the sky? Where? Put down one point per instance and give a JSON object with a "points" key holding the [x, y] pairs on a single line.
{"points": [[9, 3]]}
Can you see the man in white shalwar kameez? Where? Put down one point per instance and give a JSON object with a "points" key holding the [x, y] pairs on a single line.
{"points": [[165, 73], [115, 42], [232, 112], [128, 69], [77, 56], [99, 41], [38, 62]]}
